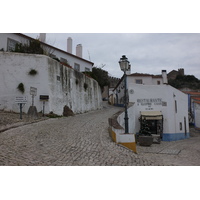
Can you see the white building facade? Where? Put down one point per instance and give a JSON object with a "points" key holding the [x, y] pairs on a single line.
{"points": [[136, 79], [63, 86], [196, 105], [9, 40], [162, 106]]}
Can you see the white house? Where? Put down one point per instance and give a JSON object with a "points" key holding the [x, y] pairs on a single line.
{"points": [[148, 79], [136, 79], [164, 108], [193, 107], [196, 105], [9, 40]]}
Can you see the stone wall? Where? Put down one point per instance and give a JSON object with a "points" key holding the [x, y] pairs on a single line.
{"points": [[63, 85]]}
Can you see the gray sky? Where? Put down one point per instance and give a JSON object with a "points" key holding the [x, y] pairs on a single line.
{"points": [[147, 52]]}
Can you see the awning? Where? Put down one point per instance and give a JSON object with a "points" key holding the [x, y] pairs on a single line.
{"points": [[151, 115]]}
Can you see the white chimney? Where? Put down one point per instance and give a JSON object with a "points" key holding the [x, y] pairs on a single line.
{"points": [[164, 76], [69, 45], [79, 50], [42, 37]]}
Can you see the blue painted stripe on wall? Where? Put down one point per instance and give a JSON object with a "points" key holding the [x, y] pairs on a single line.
{"points": [[175, 136]]}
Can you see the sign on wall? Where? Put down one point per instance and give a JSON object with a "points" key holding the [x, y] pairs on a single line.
{"points": [[22, 99], [149, 103]]}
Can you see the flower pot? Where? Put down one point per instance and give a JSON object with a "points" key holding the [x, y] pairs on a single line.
{"points": [[145, 140]]}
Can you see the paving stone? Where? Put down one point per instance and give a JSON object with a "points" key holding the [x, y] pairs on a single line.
{"points": [[83, 140]]}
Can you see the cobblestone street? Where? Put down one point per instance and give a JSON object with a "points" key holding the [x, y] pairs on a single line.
{"points": [[83, 140]]}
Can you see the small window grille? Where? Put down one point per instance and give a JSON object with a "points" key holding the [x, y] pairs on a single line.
{"points": [[63, 60], [138, 81], [181, 127], [87, 69], [175, 106], [77, 67], [58, 78]]}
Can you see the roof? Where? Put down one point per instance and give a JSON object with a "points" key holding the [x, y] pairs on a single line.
{"points": [[145, 75], [192, 93], [30, 38], [196, 98]]}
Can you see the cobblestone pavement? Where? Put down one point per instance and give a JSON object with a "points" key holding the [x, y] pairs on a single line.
{"points": [[175, 153], [84, 140]]}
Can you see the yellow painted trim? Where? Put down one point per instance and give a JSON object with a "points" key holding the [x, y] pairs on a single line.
{"points": [[112, 134], [131, 145]]}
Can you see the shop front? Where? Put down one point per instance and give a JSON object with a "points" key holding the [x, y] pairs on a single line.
{"points": [[152, 121]]}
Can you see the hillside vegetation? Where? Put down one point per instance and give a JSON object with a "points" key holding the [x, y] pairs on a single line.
{"points": [[186, 81]]}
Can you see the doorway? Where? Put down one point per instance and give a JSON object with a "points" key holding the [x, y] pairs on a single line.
{"points": [[153, 121]]}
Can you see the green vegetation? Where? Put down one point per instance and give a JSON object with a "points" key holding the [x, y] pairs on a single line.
{"points": [[32, 72], [20, 87], [33, 47], [100, 75], [187, 81]]}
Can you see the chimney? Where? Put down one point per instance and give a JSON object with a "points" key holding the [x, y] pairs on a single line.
{"points": [[42, 37], [69, 45], [79, 50], [164, 76]]}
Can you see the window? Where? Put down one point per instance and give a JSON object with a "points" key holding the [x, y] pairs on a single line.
{"points": [[87, 69], [138, 81], [11, 44], [63, 60], [181, 126], [175, 106], [58, 78], [77, 67], [52, 56]]}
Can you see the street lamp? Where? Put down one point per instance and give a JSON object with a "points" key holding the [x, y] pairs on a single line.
{"points": [[125, 66]]}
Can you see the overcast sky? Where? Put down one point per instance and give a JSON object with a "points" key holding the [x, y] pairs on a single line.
{"points": [[147, 52]]}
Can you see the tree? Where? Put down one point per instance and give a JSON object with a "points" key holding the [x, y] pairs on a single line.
{"points": [[100, 75], [187, 81]]}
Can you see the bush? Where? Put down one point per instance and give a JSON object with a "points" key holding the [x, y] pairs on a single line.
{"points": [[20, 87], [32, 72]]}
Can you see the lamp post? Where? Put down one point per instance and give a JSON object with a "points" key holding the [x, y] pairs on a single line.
{"points": [[124, 65]]}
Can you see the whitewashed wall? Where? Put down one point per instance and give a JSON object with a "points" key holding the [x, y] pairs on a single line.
{"points": [[131, 120], [166, 96], [64, 86], [197, 114], [146, 80]]}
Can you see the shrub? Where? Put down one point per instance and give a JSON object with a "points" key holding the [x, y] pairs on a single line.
{"points": [[32, 72], [20, 87]]}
